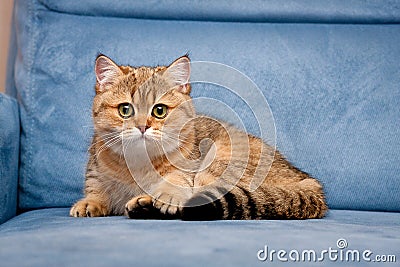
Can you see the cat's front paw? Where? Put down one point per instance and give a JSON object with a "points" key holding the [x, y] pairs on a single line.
{"points": [[140, 207], [168, 203], [88, 208]]}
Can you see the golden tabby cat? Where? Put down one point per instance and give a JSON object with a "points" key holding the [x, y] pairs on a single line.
{"points": [[153, 157]]}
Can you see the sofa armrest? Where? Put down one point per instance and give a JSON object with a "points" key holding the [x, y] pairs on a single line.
{"points": [[9, 156]]}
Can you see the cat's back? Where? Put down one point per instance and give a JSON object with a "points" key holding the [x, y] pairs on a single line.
{"points": [[231, 142], [221, 132], [207, 127]]}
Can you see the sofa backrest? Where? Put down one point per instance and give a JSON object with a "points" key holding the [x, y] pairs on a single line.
{"points": [[330, 72]]}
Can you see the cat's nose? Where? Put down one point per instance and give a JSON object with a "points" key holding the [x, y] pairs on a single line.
{"points": [[142, 129]]}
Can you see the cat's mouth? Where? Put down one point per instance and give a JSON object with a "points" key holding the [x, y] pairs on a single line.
{"points": [[135, 136]]}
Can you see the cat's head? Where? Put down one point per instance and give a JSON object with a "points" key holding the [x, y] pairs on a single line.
{"points": [[143, 107]]}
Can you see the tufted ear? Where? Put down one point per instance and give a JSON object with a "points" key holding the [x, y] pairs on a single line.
{"points": [[178, 73], [106, 72]]}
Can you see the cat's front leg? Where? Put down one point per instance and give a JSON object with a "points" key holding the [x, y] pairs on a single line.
{"points": [[171, 193], [164, 201], [142, 207]]}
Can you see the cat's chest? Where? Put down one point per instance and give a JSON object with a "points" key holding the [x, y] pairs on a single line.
{"points": [[123, 185], [144, 172]]}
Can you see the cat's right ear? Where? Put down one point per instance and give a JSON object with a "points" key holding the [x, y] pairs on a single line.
{"points": [[106, 71], [179, 74]]}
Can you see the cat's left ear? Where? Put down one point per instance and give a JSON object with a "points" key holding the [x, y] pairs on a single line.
{"points": [[179, 74]]}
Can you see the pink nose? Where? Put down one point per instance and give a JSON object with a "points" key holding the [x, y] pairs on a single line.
{"points": [[143, 128]]}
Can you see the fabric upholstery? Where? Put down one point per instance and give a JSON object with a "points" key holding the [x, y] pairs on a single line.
{"points": [[329, 71], [50, 238], [332, 88], [303, 11], [9, 156]]}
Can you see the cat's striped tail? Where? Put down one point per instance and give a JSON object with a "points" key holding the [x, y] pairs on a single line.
{"points": [[301, 200]]}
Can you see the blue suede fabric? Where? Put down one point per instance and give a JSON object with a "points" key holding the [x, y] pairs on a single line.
{"points": [[50, 238], [9, 156], [333, 89], [329, 71], [300, 11]]}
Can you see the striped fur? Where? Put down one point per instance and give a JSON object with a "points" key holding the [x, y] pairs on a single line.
{"points": [[190, 166], [302, 199]]}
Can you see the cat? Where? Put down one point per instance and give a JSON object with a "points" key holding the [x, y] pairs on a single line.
{"points": [[152, 156]]}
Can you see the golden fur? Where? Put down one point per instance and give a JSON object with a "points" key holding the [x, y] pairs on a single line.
{"points": [[184, 165]]}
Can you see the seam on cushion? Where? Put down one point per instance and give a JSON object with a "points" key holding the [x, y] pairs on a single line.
{"points": [[251, 21], [24, 173], [30, 88]]}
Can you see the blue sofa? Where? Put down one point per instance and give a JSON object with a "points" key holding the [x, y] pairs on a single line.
{"points": [[329, 71]]}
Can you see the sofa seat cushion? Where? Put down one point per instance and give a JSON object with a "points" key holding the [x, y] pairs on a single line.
{"points": [[48, 237]]}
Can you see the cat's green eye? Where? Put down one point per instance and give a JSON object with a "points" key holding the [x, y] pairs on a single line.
{"points": [[125, 110], [159, 111]]}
